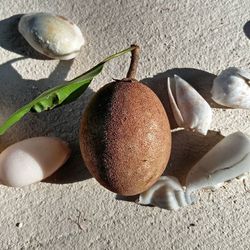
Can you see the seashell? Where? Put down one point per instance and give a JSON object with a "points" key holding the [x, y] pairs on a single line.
{"points": [[32, 160], [166, 193], [228, 159], [190, 109], [52, 35], [231, 88]]}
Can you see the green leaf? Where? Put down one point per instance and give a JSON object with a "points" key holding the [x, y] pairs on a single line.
{"points": [[60, 95]]}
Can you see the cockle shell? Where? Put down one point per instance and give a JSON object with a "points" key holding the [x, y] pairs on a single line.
{"points": [[190, 109], [32, 160], [231, 88], [228, 159], [166, 193], [51, 35]]}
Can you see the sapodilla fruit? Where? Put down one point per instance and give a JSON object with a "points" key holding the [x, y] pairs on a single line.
{"points": [[125, 137]]}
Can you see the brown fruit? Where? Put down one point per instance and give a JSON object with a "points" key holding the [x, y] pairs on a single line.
{"points": [[125, 137]]}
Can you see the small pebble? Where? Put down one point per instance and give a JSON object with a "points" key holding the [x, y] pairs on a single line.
{"points": [[19, 224]]}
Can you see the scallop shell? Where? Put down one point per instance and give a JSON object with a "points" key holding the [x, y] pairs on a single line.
{"points": [[190, 109], [51, 35], [228, 159], [166, 193], [231, 88], [32, 160]]}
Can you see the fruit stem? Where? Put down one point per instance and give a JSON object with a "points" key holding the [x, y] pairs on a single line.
{"points": [[134, 61]]}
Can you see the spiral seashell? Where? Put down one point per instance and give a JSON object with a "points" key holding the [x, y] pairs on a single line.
{"points": [[166, 193]]}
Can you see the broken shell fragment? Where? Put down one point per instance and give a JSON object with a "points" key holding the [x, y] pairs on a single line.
{"points": [[190, 109], [51, 35], [231, 88], [228, 159], [32, 160], [166, 193]]}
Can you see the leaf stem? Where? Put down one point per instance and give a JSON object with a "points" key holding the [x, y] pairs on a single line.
{"points": [[134, 61]]}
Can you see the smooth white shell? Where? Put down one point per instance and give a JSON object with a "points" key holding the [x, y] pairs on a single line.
{"points": [[166, 193], [51, 35], [231, 88], [228, 159], [32, 160], [190, 109]]}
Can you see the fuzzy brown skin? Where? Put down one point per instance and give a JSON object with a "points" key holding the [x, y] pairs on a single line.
{"points": [[125, 137]]}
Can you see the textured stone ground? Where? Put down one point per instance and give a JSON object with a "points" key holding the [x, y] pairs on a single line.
{"points": [[195, 39]]}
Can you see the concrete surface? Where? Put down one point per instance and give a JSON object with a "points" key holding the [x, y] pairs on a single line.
{"points": [[70, 210]]}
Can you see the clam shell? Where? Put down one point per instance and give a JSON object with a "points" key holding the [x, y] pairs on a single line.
{"points": [[190, 109], [51, 35], [231, 88], [32, 160], [166, 193], [228, 159]]}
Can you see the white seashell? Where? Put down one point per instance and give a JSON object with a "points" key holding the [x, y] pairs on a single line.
{"points": [[190, 109], [231, 88], [32, 160], [51, 35], [167, 193], [228, 159]]}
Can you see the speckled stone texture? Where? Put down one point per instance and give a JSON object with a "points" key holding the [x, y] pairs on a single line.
{"points": [[70, 210]]}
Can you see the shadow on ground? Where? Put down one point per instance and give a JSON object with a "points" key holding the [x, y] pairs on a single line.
{"points": [[187, 149], [246, 29], [73, 171], [16, 92]]}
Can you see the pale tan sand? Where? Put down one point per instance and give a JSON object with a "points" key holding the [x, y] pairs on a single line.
{"points": [[200, 38]]}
